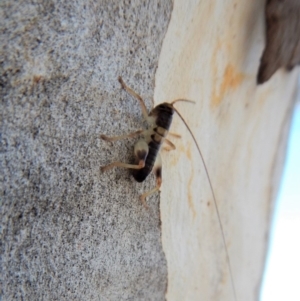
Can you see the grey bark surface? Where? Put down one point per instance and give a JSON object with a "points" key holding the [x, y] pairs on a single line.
{"points": [[69, 232]]}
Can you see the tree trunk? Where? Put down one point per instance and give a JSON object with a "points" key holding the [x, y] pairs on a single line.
{"points": [[69, 231]]}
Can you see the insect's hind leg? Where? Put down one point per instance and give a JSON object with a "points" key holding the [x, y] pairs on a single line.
{"points": [[137, 96], [141, 150], [131, 135], [157, 169], [124, 165]]}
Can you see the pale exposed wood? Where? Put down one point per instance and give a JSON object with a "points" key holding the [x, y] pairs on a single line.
{"points": [[211, 54]]}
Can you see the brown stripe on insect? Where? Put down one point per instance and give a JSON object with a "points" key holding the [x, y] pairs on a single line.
{"points": [[161, 131], [156, 138]]}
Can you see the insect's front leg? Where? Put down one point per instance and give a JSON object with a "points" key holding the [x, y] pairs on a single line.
{"points": [[137, 96]]}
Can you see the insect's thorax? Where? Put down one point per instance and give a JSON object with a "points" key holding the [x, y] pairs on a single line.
{"points": [[163, 115]]}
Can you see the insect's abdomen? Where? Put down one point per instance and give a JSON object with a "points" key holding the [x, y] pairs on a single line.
{"points": [[141, 174], [163, 114]]}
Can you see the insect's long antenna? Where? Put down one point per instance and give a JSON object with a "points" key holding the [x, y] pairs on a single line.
{"points": [[213, 194], [186, 100]]}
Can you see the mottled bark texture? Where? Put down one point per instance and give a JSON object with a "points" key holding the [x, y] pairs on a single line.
{"points": [[69, 232], [282, 38]]}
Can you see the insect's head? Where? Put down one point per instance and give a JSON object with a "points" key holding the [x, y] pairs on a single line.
{"points": [[165, 107]]}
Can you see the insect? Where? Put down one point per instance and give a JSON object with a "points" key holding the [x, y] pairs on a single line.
{"points": [[146, 150]]}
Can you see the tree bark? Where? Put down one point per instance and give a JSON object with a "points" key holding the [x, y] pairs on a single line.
{"points": [[211, 54], [69, 231], [282, 48]]}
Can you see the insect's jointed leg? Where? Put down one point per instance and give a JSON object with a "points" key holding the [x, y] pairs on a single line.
{"points": [[174, 135], [131, 135], [157, 169], [124, 165], [170, 144], [137, 96], [141, 150]]}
